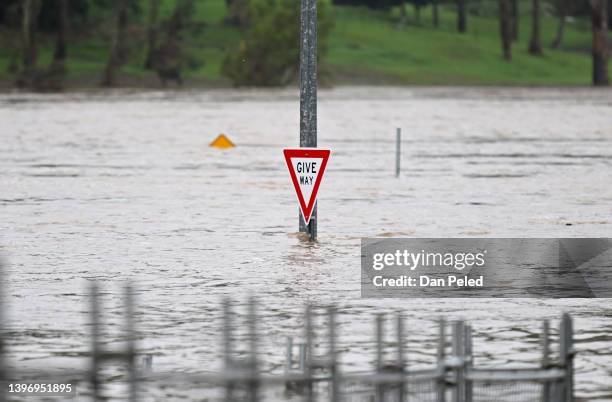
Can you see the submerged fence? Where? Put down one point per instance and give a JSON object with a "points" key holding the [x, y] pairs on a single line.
{"points": [[314, 375]]}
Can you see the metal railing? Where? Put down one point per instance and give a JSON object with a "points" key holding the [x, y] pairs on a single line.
{"points": [[454, 378], [312, 375]]}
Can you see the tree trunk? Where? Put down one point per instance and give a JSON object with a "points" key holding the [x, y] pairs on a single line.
{"points": [[505, 29], [13, 22], [599, 19], [461, 16], [436, 15], [152, 33], [237, 12], [515, 19], [417, 14], [118, 49], [403, 16], [59, 55], [30, 12], [561, 28], [534, 44]]}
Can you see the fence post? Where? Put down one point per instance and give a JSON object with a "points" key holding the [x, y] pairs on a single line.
{"points": [[546, 359], [227, 348], [95, 343], [131, 340], [459, 394], [335, 374], [401, 358], [469, 355], [2, 341], [567, 355], [308, 354], [398, 150], [441, 383], [289, 355], [379, 355], [253, 364], [302, 356]]}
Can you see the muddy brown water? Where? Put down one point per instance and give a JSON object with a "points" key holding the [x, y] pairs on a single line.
{"points": [[122, 185]]}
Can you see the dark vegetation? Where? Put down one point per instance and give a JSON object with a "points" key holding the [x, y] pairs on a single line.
{"points": [[48, 45]]}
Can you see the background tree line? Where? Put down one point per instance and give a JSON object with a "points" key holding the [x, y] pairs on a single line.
{"points": [[268, 48]]}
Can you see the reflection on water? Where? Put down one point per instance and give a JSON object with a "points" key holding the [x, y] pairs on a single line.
{"points": [[117, 185]]}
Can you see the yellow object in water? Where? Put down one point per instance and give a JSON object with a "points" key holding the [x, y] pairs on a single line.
{"points": [[222, 142]]}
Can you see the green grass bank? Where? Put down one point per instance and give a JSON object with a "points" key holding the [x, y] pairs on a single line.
{"points": [[365, 47]]}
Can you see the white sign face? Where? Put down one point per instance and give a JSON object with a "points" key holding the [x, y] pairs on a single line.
{"points": [[306, 167], [306, 170]]}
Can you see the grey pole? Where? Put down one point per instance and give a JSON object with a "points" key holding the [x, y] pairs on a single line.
{"points": [[254, 365], [334, 395], [398, 142], [545, 340], [289, 355], [131, 340], [458, 332], [95, 343], [469, 355], [567, 355], [308, 93], [227, 347], [310, 397], [379, 355], [401, 365], [441, 383], [2, 342]]}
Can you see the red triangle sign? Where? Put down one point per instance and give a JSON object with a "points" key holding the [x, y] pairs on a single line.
{"points": [[306, 166]]}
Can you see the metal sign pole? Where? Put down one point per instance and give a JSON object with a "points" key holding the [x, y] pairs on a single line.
{"points": [[308, 92]]}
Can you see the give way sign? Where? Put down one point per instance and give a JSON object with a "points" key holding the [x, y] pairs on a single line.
{"points": [[306, 167]]}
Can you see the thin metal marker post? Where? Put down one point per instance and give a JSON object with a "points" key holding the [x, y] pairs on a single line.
{"points": [[398, 150], [308, 93]]}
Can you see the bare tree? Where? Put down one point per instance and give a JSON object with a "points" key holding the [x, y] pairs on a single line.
{"points": [[118, 49], [435, 13], [461, 16], [60, 53], [599, 19], [505, 29], [152, 33], [515, 19], [562, 11], [535, 48]]}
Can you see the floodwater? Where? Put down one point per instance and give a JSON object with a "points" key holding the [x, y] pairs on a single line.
{"points": [[122, 185]]}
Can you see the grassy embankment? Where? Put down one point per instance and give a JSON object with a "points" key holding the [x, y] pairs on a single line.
{"points": [[365, 47]]}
